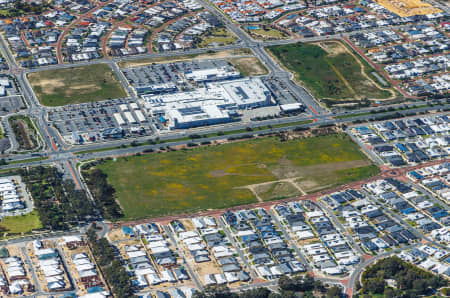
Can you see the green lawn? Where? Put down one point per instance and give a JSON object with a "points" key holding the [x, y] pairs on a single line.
{"points": [[209, 177], [76, 85], [14, 225], [333, 76], [27, 160], [268, 33], [219, 36]]}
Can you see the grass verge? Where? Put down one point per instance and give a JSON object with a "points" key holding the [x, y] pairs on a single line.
{"points": [[27, 160], [210, 135]]}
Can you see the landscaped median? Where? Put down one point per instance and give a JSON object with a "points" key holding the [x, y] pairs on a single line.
{"points": [[20, 161], [25, 132], [201, 136], [221, 176]]}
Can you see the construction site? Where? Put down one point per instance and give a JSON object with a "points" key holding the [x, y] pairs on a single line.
{"points": [[408, 8]]}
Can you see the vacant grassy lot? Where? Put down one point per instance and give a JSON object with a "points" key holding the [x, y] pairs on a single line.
{"points": [[249, 66], [219, 36], [320, 180], [76, 85], [21, 224], [329, 70], [170, 59], [210, 177], [268, 33]]}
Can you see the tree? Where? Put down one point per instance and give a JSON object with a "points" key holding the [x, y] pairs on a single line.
{"points": [[256, 293], [286, 283], [215, 292], [319, 286], [374, 285], [334, 292], [286, 294], [357, 285], [103, 193], [389, 293], [115, 274], [411, 280], [299, 284]]}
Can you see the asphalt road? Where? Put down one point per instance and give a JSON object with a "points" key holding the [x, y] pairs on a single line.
{"points": [[291, 242], [402, 222], [338, 224], [357, 272]]}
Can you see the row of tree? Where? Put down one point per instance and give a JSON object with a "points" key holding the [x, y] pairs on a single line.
{"points": [[103, 194], [407, 280], [58, 203], [296, 287], [106, 256]]}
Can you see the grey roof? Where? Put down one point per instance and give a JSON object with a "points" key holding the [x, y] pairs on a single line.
{"points": [[231, 268]]}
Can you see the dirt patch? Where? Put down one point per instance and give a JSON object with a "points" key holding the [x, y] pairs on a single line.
{"points": [[248, 66], [116, 235], [276, 190], [306, 176], [334, 166], [48, 86], [160, 60], [308, 184], [311, 179], [285, 169], [226, 172], [218, 173], [333, 48], [85, 86], [188, 225]]}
